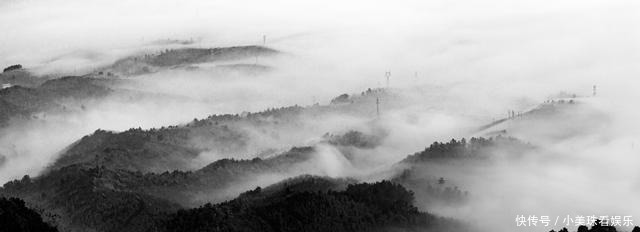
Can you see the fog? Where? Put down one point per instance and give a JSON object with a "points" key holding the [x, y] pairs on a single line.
{"points": [[457, 66]]}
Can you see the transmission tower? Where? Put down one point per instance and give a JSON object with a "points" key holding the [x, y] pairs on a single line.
{"points": [[387, 74], [378, 107]]}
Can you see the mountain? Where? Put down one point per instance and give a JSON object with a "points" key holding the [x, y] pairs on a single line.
{"points": [[16, 217], [422, 172], [135, 179], [21, 77], [136, 150], [381, 206], [136, 201], [169, 58], [52, 95], [133, 201], [306, 183], [181, 147], [25, 94], [89, 200], [78, 199], [551, 121], [476, 148]]}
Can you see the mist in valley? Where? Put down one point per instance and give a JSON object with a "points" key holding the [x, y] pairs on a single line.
{"points": [[455, 67]]}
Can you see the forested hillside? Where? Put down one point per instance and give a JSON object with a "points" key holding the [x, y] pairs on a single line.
{"points": [[169, 58], [380, 206], [16, 217], [52, 95]]}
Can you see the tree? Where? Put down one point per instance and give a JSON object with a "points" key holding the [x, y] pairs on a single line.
{"points": [[26, 179], [583, 228], [12, 67], [343, 98]]}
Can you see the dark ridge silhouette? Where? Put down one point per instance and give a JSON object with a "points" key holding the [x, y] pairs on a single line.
{"points": [[16, 217], [100, 199], [381, 206], [343, 98], [90, 199], [12, 67], [476, 148], [597, 227], [307, 183], [106, 199]]}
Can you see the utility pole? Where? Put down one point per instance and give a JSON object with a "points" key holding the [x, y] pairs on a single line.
{"points": [[594, 90]]}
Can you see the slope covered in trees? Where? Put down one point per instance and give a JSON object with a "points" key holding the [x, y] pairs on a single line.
{"points": [[80, 199], [241, 135], [354, 138], [552, 121], [137, 65], [128, 181], [16, 217], [421, 171], [52, 95], [597, 226], [476, 148], [381, 206], [89, 199], [105, 199], [22, 77]]}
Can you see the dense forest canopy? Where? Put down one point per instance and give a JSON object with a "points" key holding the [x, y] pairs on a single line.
{"points": [[16, 217]]}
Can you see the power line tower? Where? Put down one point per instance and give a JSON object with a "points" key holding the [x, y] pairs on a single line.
{"points": [[378, 107], [387, 75]]}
